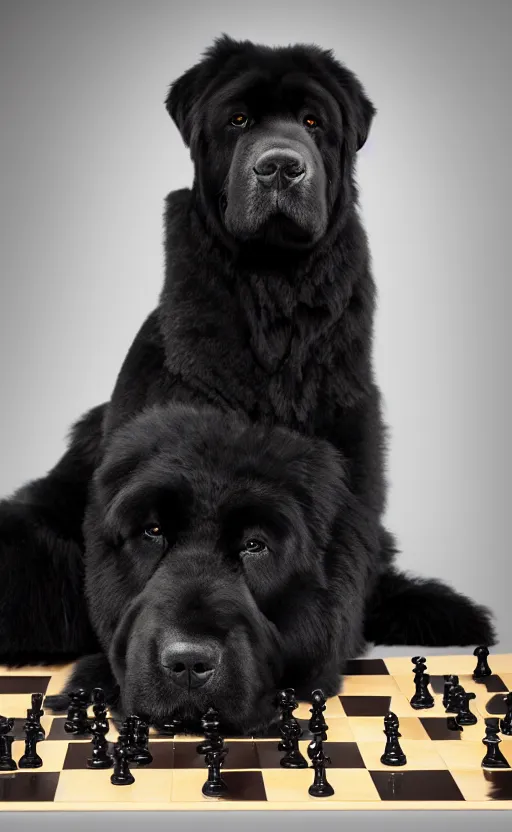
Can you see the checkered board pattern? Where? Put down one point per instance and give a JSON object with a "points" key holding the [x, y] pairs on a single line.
{"points": [[443, 768]]}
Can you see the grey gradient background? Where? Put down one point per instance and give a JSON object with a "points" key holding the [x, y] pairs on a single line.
{"points": [[88, 154]]}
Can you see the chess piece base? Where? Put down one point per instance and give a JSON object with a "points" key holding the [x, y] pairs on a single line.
{"points": [[8, 765], [124, 781], [295, 760], [214, 789], [30, 762], [393, 761], [92, 763], [321, 791]]}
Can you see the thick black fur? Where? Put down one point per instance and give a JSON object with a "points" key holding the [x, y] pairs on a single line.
{"points": [[266, 311]]}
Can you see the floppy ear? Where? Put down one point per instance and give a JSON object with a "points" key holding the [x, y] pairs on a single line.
{"points": [[358, 111], [185, 93]]}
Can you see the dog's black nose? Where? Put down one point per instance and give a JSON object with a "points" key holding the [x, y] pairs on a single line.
{"points": [[190, 665], [280, 168]]}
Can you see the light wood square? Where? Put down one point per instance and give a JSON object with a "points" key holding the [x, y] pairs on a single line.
{"points": [[371, 729], [340, 730], [461, 755], [421, 755], [408, 688], [14, 704], [288, 786], [332, 709], [87, 786], [369, 686], [52, 754], [507, 679], [33, 670]]}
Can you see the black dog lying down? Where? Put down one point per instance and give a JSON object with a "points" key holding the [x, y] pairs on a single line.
{"points": [[223, 560]]}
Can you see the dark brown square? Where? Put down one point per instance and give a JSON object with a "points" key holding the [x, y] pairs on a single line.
{"points": [[23, 787], [342, 755], [244, 785], [78, 753], [24, 684], [366, 705], [441, 728], [240, 755], [366, 667], [416, 785], [493, 684], [500, 784], [57, 731]]}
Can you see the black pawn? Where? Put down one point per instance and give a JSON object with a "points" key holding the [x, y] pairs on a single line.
{"points": [[77, 721], [451, 706], [290, 731], [320, 786], [211, 726], [393, 754], [482, 668], [37, 701], [99, 726], [30, 758], [215, 786], [464, 715], [121, 776], [506, 722], [448, 685], [422, 697], [6, 761], [142, 755], [493, 758]]}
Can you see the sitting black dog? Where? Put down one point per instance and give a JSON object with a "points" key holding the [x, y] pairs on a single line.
{"points": [[266, 313]]}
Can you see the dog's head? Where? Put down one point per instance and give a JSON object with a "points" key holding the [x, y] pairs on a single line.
{"points": [[206, 563], [273, 133]]}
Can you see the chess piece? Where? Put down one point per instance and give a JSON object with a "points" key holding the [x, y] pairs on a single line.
{"points": [[211, 725], [121, 776], [30, 758], [493, 758], [141, 754], [482, 668], [448, 685], [464, 715], [99, 726], [6, 761], [215, 752], [393, 754], [451, 706], [320, 786], [77, 721], [215, 786], [37, 700], [317, 726], [290, 731], [422, 698], [506, 722]]}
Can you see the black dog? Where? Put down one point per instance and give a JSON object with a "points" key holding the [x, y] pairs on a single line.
{"points": [[223, 560], [267, 311]]}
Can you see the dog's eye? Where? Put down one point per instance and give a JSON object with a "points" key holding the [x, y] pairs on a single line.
{"points": [[153, 532], [253, 546], [239, 120], [311, 121]]}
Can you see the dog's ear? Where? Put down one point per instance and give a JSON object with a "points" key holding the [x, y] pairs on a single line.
{"points": [[357, 109], [185, 92]]}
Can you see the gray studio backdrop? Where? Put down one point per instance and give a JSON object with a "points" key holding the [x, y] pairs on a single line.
{"points": [[88, 154]]}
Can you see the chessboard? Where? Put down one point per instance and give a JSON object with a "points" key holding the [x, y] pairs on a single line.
{"points": [[443, 769]]}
